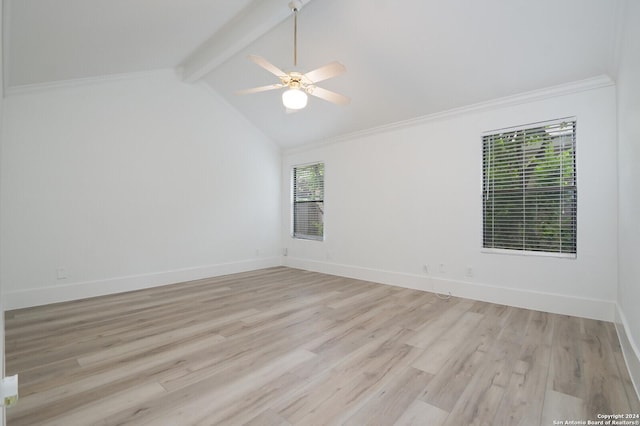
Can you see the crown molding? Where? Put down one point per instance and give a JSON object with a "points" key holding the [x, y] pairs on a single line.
{"points": [[521, 98], [89, 81]]}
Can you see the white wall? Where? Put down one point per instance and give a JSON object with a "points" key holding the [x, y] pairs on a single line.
{"points": [[401, 198], [628, 86], [130, 183]]}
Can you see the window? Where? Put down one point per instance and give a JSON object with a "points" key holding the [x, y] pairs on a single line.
{"points": [[308, 201], [529, 189]]}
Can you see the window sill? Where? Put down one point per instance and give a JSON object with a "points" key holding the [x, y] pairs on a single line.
{"points": [[529, 253], [307, 238]]}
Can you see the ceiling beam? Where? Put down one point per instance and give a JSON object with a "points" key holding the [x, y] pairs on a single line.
{"points": [[259, 17]]}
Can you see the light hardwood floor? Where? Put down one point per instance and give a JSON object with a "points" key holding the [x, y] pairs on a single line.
{"points": [[290, 347]]}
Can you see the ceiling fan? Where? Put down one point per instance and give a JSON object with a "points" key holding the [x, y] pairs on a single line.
{"points": [[298, 84]]}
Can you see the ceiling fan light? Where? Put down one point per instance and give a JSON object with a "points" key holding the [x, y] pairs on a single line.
{"points": [[294, 99]]}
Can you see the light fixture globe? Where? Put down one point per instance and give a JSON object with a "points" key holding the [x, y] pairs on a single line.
{"points": [[294, 99]]}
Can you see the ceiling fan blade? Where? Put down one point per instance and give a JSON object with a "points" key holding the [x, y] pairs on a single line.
{"points": [[267, 65], [325, 72], [260, 89], [328, 95]]}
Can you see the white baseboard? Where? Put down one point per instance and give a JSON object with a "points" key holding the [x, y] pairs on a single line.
{"points": [[548, 302], [630, 349], [25, 298]]}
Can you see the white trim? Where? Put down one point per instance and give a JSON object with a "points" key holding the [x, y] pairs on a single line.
{"points": [[603, 310], [526, 97], [630, 350], [532, 126], [513, 252], [86, 81], [292, 203], [81, 290]]}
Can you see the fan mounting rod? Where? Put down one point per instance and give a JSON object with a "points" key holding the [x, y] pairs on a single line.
{"points": [[295, 5]]}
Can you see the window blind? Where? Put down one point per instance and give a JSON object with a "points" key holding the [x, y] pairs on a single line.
{"points": [[529, 188], [308, 201]]}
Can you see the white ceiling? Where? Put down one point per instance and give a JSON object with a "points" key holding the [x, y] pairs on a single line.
{"points": [[52, 40], [404, 59]]}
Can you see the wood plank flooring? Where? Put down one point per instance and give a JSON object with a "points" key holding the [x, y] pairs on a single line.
{"points": [[288, 347]]}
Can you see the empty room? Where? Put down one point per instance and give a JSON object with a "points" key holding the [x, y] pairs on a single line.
{"points": [[320, 212]]}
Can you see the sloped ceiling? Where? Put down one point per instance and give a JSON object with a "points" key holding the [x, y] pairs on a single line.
{"points": [[53, 40], [404, 59]]}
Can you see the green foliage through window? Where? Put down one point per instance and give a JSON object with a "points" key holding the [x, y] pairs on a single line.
{"points": [[529, 188], [308, 201]]}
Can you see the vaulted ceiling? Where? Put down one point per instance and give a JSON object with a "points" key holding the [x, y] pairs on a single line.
{"points": [[404, 59]]}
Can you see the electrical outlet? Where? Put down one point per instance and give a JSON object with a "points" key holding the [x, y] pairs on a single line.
{"points": [[10, 401], [9, 391], [61, 273], [469, 271]]}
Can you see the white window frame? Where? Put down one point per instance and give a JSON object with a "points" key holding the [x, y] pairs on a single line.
{"points": [[301, 235], [500, 248]]}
